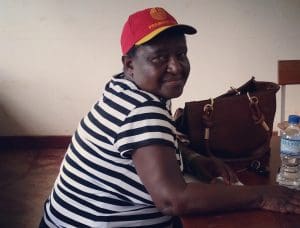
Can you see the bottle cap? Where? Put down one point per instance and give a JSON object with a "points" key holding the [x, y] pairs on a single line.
{"points": [[294, 119]]}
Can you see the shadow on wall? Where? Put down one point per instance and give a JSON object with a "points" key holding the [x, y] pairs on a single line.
{"points": [[9, 126]]}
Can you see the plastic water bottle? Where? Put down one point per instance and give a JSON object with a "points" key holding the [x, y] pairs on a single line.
{"points": [[289, 174]]}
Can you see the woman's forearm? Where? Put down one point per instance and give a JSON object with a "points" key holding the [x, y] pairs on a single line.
{"points": [[205, 198]]}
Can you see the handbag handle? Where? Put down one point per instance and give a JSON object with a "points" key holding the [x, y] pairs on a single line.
{"points": [[256, 113], [208, 122]]}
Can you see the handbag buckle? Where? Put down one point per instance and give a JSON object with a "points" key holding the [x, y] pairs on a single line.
{"points": [[208, 108]]}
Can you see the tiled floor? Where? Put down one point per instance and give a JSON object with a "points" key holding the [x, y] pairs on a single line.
{"points": [[26, 178]]}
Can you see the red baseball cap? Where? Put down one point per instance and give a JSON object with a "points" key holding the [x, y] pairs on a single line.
{"points": [[144, 25]]}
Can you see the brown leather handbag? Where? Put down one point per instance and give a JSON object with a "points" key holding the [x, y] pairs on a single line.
{"points": [[237, 125]]}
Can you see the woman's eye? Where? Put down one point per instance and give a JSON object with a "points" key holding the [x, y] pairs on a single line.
{"points": [[159, 59], [182, 55]]}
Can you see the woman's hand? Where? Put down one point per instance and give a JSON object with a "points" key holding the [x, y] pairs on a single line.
{"points": [[218, 171], [281, 199], [207, 169]]}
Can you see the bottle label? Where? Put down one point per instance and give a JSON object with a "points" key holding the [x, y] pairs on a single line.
{"points": [[290, 147]]}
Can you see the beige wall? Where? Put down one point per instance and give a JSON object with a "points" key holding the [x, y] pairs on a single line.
{"points": [[56, 55]]}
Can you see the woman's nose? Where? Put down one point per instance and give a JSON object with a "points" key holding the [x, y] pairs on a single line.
{"points": [[174, 65]]}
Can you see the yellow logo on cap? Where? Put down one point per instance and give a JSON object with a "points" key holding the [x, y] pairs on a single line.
{"points": [[158, 13]]}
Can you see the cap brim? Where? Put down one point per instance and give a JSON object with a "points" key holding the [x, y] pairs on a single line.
{"points": [[186, 29]]}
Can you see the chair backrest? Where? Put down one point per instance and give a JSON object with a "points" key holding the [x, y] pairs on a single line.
{"points": [[288, 73]]}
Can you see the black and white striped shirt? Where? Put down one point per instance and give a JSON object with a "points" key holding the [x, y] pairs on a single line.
{"points": [[97, 185]]}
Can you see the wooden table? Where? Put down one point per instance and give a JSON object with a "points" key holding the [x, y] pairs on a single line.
{"points": [[253, 218]]}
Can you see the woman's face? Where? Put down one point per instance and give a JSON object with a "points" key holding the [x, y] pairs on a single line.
{"points": [[161, 66]]}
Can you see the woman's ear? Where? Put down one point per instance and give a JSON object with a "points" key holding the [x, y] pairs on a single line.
{"points": [[127, 65]]}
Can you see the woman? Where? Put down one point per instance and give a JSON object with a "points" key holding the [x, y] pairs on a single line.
{"points": [[123, 167]]}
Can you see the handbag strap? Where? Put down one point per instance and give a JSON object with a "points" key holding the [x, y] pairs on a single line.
{"points": [[208, 122], [256, 113]]}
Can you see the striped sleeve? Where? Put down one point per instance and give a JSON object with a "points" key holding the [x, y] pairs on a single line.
{"points": [[148, 124]]}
